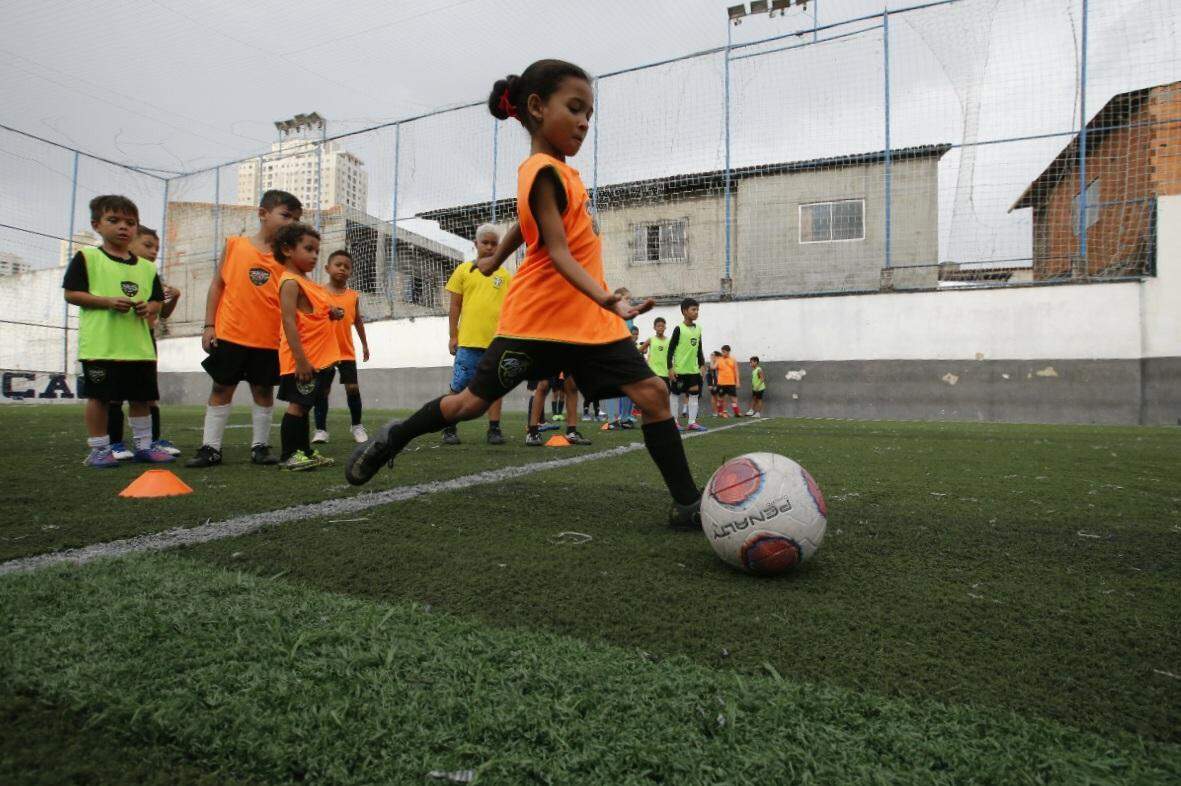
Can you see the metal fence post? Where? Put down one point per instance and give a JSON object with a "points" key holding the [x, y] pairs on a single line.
{"points": [[595, 155], [392, 264], [320, 173], [1082, 147], [164, 227], [216, 216], [495, 154], [889, 155], [69, 256], [729, 43]]}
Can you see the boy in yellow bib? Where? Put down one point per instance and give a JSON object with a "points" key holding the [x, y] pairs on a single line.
{"points": [[118, 294]]}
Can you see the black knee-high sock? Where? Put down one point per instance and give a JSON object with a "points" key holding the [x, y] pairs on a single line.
{"points": [[305, 436], [321, 409], [664, 446], [154, 411], [115, 421], [354, 400], [289, 434], [427, 420]]}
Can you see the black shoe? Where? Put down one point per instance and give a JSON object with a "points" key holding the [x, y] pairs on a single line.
{"points": [[685, 518], [495, 437], [207, 456], [576, 438], [450, 436], [261, 454], [367, 459], [533, 440]]}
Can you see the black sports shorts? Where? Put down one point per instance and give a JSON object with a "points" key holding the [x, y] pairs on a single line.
{"points": [[230, 363], [687, 384], [119, 380], [599, 370]]}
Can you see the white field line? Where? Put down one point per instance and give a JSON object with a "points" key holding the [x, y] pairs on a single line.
{"points": [[242, 525]]}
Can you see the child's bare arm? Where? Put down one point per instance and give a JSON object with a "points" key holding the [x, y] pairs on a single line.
{"points": [[288, 302], [217, 288], [171, 296], [359, 324]]}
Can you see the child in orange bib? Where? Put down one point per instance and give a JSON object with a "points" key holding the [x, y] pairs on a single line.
{"points": [[558, 315], [340, 267], [308, 348]]}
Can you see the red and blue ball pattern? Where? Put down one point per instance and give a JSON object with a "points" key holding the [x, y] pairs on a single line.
{"points": [[736, 482]]}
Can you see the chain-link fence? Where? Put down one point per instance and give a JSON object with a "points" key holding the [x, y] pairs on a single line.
{"points": [[961, 143]]}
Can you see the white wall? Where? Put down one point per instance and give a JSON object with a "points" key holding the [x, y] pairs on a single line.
{"points": [[1160, 298]]}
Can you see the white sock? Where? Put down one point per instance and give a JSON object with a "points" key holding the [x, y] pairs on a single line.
{"points": [[141, 431], [674, 401], [693, 402], [216, 418], [260, 424], [99, 443]]}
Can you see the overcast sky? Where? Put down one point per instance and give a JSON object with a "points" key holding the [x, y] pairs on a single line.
{"points": [[182, 85]]}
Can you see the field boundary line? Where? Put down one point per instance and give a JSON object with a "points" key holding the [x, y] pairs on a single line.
{"points": [[242, 525]]}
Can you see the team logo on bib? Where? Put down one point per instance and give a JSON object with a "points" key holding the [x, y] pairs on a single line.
{"points": [[513, 367], [96, 374], [259, 276], [306, 388], [130, 288]]}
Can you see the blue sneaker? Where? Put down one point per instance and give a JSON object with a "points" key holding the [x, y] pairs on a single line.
{"points": [[120, 452], [167, 447], [153, 455], [101, 458]]}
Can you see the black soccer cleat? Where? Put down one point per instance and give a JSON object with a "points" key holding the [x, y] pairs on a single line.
{"points": [[261, 455], [495, 437], [207, 456], [451, 436], [367, 459], [685, 518], [577, 439]]}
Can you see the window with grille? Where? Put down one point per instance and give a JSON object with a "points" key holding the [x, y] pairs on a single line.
{"points": [[660, 241], [828, 222], [1092, 206]]}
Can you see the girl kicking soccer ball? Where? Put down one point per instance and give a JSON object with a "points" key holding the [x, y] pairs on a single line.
{"points": [[558, 314]]}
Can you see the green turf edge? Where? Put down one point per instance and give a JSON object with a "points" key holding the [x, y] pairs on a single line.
{"points": [[280, 682], [50, 745]]}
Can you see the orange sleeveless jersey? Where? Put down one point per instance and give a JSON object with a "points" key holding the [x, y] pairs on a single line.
{"points": [[727, 371], [540, 304], [248, 313], [317, 332], [346, 300]]}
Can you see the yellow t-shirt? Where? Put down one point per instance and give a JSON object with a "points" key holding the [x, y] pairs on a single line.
{"points": [[482, 298]]}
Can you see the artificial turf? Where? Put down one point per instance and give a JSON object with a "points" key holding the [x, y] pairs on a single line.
{"points": [[1006, 571], [271, 680]]}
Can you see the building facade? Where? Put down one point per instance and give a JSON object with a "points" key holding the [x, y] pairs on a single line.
{"points": [[331, 178], [803, 227], [1133, 157]]}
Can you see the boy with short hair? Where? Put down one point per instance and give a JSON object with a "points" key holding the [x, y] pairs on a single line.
{"points": [[347, 303], [656, 350], [475, 309], [728, 383], [758, 384], [241, 332], [118, 293], [145, 245], [686, 363]]}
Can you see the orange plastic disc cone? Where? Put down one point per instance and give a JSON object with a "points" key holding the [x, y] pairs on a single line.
{"points": [[557, 441], [156, 483], [605, 427]]}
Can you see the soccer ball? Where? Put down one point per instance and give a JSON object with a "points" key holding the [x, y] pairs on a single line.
{"points": [[763, 513]]}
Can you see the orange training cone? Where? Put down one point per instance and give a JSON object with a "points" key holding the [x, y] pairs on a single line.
{"points": [[557, 441], [605, 427], [156, 483]]}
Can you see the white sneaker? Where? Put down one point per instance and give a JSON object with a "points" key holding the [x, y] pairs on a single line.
{"points": [[750, 413], [359, 434], [319, 436], [757, 415]]}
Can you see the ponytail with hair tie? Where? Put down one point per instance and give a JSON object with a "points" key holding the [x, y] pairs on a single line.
{"points": [[506, 104]]}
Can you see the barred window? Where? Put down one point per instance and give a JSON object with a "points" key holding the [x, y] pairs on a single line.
{"points": [[825, 222], [1092, 206], [660, 241]]}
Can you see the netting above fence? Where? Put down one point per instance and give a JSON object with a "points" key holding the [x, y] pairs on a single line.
{"points": [[959, 143]]}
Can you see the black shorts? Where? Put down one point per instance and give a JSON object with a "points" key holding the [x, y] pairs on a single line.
{"points": [[348, 372], [119, 380], [230, 363], [756, 395], [727, 390], [599, 370], [687, 384], [305, 394], [555, 383]]}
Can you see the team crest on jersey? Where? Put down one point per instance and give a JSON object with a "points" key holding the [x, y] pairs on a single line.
{"points": [[693, 341], [497, 282], [512, 368], [259, 276], [130, 288], [306, 388], [96, 373]]}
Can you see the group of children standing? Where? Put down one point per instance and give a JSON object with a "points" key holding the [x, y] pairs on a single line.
{"points": [[266, 323]]}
